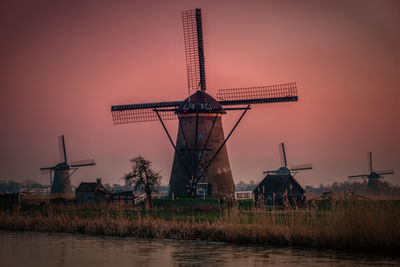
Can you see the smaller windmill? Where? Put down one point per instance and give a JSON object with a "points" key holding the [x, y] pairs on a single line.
{"points": [[61, 184], [284, 170], [373, 176]]}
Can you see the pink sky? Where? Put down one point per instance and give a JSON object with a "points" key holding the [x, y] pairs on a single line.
{"points": [[64, 63]]}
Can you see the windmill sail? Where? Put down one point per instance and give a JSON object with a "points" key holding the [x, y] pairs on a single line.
{"points": [[283, 154], [369, 155], [359, 176], [144, 112], [61, 148], [81, 163], [301, 167], [44, 170], [256, 95], [194, 49], [385, 172]]}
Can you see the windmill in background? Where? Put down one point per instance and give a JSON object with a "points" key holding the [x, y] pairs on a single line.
{"points": [[61, 184], [201, 156], [373, 176], [284, 170], [279, 187]]}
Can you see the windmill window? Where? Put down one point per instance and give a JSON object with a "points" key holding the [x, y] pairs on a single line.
{"points": [[202, 189]]}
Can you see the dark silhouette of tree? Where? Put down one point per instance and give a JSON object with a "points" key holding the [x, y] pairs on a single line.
{"points": [[143, 178]]}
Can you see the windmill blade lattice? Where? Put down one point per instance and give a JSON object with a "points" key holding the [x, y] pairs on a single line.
{"points": [[194, 49], [256, 95], [144, 112]]}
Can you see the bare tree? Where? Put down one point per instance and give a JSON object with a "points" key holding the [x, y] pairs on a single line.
{"points": [[143, 178]]}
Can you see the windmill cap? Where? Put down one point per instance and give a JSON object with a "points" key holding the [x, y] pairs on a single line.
{"points": [[283, 171], [374, 175], [62, 166], [200, 102]]}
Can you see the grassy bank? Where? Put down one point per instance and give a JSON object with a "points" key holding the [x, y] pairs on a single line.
{"points": [[357, 225]]}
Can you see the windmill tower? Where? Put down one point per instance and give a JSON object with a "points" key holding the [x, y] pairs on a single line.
{"points": [[201, 157], [284, 170], [373, 176], [61, 184]]}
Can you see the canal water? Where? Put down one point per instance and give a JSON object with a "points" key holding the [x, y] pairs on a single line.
{"points": [[42, 249]]}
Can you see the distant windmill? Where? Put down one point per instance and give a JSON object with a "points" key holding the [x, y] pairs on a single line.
{"points": [[372, 176], [200, 152], [284, 170], [61, 183]]}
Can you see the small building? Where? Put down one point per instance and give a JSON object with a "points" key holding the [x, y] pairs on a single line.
{"points": [[89, 193], [126, 197], [279, 190]]}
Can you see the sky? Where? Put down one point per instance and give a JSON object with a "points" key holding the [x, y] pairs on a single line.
{"points": [[64, 63]]}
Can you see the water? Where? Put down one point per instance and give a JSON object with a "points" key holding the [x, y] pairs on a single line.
{"points": [[41, 249]]}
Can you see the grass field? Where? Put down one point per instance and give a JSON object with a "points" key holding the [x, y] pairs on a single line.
{"points": [[361, 225]]}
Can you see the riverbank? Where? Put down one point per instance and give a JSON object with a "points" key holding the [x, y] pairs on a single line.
{"points": [[363, 226]]}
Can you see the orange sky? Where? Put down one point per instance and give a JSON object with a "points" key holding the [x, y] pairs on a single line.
{"points": [[64, 63]]}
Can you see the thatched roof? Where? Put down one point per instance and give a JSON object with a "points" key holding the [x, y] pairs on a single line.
{"points": [[87, 187], [273, 183]]}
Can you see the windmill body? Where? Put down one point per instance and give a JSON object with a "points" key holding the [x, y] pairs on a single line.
{"points": [[200, 154], [199, 137], [61, 184]]}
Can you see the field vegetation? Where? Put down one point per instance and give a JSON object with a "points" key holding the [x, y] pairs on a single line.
{"points": [[357, 225]]}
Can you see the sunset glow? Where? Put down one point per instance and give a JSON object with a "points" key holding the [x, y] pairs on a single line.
{"points": [[63, 64]]}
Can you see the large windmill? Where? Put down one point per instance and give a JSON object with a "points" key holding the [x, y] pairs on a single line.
{"points": [[200, 151], [61, 184], [284, 170], [373, 176]]}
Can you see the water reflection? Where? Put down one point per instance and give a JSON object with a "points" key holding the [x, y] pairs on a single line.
{"points": [[40, 249]]}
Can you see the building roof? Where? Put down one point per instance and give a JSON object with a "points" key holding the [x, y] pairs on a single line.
{"points": [[92, 187], [278, 183], [200, 102], [87, 187]]}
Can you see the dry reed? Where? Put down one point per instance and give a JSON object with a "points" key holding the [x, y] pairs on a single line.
{"points": [[365, 226]]}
